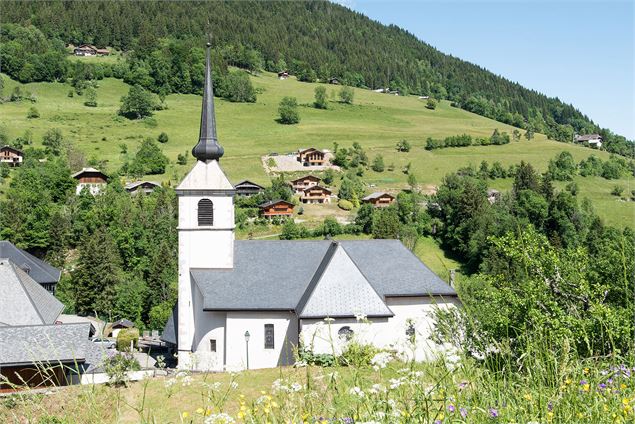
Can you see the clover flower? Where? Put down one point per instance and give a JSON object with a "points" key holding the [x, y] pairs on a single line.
{"points": [[356, 391], [493, 412]]}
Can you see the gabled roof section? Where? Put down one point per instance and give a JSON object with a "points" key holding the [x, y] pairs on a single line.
{"points": [[339, 289], [66, 343], [136, 184], [6, 147], [78, 174], [247, 183], [377, 195], [40, 271], [307, 177], [274, 202], [205, 176], [24, 301], [316, 187]]}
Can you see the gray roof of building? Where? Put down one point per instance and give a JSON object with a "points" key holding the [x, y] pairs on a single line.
{"points": [[25, 302], [376, 195], [44, 343], [40, 271], [88, 171], [134, 184], [247, 183], [586, 137]]}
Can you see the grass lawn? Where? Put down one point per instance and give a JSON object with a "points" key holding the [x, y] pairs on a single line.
{"points": [[249, 131]]}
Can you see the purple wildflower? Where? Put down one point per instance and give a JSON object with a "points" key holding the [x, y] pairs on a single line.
{"points": [[463, 412], [583, 382], [437, 421], [493, 413], [451, 408], [550, 406], [602, 386]]}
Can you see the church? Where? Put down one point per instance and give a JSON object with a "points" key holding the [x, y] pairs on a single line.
{"points": [[251, 303]]}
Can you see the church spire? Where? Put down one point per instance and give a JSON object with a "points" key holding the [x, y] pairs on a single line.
{"points": [[208, 148]]}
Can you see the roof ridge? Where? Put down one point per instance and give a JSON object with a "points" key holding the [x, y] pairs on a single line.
{"points": [[31, 258], [317, 276], [365, 277]]}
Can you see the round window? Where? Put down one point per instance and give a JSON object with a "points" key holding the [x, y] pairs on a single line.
{"points": [[345, 333]]}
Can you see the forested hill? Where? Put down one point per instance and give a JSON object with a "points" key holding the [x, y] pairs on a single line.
{"points": [[314, 40]]}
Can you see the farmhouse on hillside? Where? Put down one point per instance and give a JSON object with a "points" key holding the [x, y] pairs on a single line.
{"points": [[146, 187], [92, 179], [247, 188], [43, 273], [311, 157], [90, 50], [14, 157], [379, 199], [283, 75], [250, 303], [316, 194], [300, 184], [593, 140], [276, 209]]}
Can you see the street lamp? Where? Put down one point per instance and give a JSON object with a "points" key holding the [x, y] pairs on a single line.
{"points": [[247, 335]]}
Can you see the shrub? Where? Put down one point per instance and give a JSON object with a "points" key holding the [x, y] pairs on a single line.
{"points": [[346, 95], [149, 159], [33, 113], [71, 93], [288, 110], [378, 164], [617, 190], [320, 98], [162, 138], [181, 159], [137, 104], [125, 336], [53, 140], [117, 366], [403, 146], [345, 205], [91, 97], [237, 87], [431, 104], [357, 354]]}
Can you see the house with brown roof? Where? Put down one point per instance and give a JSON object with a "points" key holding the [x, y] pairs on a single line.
{"points": [[283, 75], [316, 194], [248, 188], [593, 140], [146, 187], [311, 157], [379, 199], [11, 155], [92, 179], [302, 183], [277, 209], [90, 50]]}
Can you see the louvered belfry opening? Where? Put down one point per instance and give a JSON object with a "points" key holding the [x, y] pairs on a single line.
{"points": [[205, 213]]}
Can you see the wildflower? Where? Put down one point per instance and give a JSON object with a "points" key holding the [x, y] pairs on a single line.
{"points": [[527, 396], [451, 408], [296, 387], [328, 319], [586, 387], [274, 404], [356, 391], [234, 385], [380, 360], [200, 411], [186, 381], [586, 370], [221, 418], [463, 412], [493, 413], [300, 364], [549, 415], [169, 383], [376, 388], [395, 383], [360, 317], [185, 414]]}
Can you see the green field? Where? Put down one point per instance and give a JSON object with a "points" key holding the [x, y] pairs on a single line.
{"points": [[249, 131]]}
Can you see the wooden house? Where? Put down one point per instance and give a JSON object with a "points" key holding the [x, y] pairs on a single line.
{"points": [[316, 194], [334, 81], [283, 75], [90, 50], [300, 184], [593, 140], [311, 157], [276, 208], [11, 155], [146, 187], [248, 188], [379, 199], [92, 179]]}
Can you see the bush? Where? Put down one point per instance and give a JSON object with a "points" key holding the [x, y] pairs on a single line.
{"points": [[181, 159], [125, 336], [137, 104], [346, 95], [237, 87], [320, 98], [32, 113], [149, 159], [162, 138], [91, 97], [117, 365], [357, 354], [403, 146], [378, 164], [52, 140], [345, 205], [288, 110], [617, 190], [431, 104]]}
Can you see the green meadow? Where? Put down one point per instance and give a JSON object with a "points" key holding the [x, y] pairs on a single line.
{"points": [[249, 130]]}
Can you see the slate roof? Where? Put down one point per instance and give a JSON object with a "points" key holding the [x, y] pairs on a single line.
{"points": [[587, 137], [285, 274], [247, 184], [123, 323], [133, 185], [40, 271], [44, 343], [377, 194], [88, 171], [24, 301]]}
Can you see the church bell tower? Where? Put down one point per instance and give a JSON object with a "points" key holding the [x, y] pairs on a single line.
{"points": [[206, 217]]}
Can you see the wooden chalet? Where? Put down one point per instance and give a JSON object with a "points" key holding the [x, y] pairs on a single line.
{"points": [[283, 75], [311, 157], [146, 187], [334, 81], [11, 155], [92, 179], [276, 208], [90, 50], [305, 182], [316, 194], [593, 140], [248, 188], [379, 199]]}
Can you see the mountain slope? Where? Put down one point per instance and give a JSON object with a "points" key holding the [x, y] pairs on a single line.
{"points": [[314, 39]]}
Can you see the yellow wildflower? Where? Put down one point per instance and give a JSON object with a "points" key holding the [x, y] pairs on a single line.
{"points": [[242, 396], [241, 415], [527, 396], [274, 404], [586, 387], [208, 412], [580, 415], [262, 392], [185, 414], [606, 408], [200, 411], [549, 415], [266, 410], [622, 386], [586, 370], [567, 381], [243, 408], [440, 416]]}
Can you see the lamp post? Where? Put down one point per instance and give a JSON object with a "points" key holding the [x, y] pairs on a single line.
{"points": [[247, 335]]}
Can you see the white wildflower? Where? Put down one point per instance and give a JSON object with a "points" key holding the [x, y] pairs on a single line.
{"points": [[186, 381], [300, 364], [360, 316], [296, 387], [377, 388], [234, 385], [356, 391], [221, 418], [395, 383], [169, 383], [380, 360], [261, 400]]}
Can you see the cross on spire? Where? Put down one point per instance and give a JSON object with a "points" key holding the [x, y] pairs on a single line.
{"points": [[208, 148]]}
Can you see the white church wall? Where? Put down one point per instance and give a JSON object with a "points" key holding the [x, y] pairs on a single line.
{"points": [[386, 333], [285, 339], [209, 325]]}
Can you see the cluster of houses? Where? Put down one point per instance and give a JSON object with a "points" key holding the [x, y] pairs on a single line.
{"points": [[283, 75]]}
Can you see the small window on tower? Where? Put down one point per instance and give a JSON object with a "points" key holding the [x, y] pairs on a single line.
{"points": [[212, 345], [205, 213]]}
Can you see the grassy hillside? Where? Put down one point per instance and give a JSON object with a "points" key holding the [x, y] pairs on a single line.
{"points": [[248, 131]]}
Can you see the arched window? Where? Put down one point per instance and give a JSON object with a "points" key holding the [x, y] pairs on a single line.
{"points": [[345, 333], [205, 213]]}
